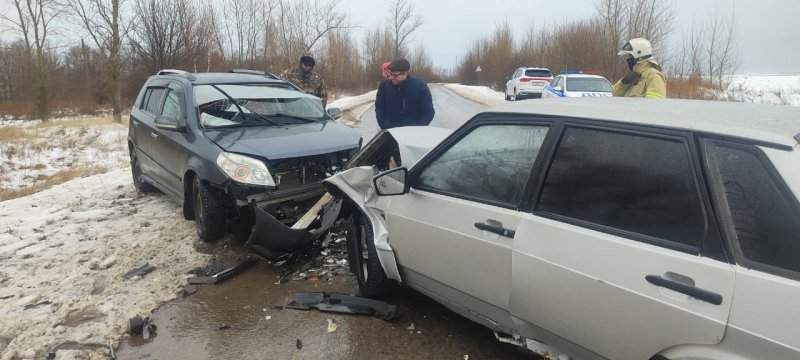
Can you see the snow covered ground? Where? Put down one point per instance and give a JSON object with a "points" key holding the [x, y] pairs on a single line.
{"points": [[764, 89], [35, 154], [480, 94], [63, 253]]}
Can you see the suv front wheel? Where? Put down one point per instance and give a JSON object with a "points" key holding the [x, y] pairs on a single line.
{"points": [[209, 216]]}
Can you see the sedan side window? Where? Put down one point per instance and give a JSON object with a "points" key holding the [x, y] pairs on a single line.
{"points": [[490, 163], [765, 215], [627, 182]]}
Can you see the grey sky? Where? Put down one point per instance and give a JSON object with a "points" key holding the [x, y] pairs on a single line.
{"points": [[768, 31]]}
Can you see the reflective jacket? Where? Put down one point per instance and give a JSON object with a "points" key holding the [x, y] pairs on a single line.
{"points": [[651, 84]]}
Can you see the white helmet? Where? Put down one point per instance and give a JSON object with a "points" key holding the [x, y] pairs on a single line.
{"points": [[638, 48]]}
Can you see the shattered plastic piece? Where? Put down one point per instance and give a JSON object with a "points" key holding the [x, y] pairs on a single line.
{"points": [[224, 327], [140, 271], [33, 306], [344, 304], [298, 344], [268, 317], [411, 327], [136, 325], [332, 326], [224, 274]]}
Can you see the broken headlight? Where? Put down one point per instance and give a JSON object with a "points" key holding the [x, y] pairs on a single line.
{"points": [[245, 169]]}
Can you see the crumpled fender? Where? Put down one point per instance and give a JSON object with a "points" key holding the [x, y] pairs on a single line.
{"points": [[356, 184]]}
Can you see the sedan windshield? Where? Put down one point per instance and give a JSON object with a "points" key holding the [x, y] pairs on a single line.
{"points": [[255, 105], [588, 85]]}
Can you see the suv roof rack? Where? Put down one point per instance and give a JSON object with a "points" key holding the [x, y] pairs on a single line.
{"points": [[255, 72], [172, 72]]}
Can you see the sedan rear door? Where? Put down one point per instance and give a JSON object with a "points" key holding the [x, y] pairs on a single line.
{"points": [[621, 253]]}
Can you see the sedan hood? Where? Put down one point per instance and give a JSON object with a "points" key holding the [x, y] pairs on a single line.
{"points": [[281, 142]]}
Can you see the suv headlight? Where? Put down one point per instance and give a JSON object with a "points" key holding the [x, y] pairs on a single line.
{"points": [[245, 169]]}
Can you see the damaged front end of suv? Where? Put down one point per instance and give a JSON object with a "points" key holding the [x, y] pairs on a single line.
{"points": [[348, 191]]}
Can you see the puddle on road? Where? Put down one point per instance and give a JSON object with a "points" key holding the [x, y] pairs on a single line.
{"points": [[229, 321]]}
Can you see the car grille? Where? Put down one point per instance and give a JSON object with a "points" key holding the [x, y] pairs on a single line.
{"points": [[297, 172]]}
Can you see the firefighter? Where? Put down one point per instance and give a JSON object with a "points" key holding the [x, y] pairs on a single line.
{"points": [[644, 78]]}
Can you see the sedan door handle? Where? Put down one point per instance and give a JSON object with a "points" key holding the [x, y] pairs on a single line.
{"points": [[494, 226], [693, 291], [154, 135]]}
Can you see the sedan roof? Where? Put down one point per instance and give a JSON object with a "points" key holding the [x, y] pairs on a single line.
{"points": [[776, 124]]}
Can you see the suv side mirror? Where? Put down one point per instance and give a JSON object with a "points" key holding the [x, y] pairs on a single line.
{"points": [[391, 182], [335, 112], [167, 123]]}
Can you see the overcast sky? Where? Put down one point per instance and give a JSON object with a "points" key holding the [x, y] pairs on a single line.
{"points": [[768, 31]]}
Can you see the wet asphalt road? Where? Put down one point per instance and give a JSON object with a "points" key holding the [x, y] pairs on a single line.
{"points": [[237, 319]]}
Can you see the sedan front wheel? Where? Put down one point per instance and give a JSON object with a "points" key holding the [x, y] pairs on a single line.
{"points": [[363, 257]]}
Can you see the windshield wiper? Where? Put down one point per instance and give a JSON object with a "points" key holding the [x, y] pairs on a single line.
{"points": [[291, 117], [241, 112]]}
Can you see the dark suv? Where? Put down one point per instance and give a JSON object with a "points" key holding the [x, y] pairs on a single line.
{"points": [[224, 143]]}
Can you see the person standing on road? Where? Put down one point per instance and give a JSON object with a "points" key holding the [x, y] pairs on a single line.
{"points": [[644, 78], [307, 79], [403, 100]]}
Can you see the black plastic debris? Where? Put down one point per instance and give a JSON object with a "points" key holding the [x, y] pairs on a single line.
{"points": [[140, 271], [224, 274], [36, 305], [342, 304], [298, 344]]}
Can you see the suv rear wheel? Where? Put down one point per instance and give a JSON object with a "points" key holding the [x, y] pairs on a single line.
{"points": [[363, 258], [209, 217]]}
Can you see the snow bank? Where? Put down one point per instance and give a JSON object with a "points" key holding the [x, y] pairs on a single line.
{"points": [[764, 89], [480, 94], [54, 245], [354, 107]]}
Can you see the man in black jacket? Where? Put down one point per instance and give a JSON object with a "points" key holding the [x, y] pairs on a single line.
{"points": [[403, 100]]}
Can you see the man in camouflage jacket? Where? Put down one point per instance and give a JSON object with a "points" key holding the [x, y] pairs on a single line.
{"points": [[307, 79]]}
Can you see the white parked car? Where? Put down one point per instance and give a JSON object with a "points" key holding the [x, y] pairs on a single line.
{"points": [[527, 83], [594, 228], [578, 85]]}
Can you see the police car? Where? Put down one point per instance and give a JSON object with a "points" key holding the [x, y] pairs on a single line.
{"points": [[577, 85]]}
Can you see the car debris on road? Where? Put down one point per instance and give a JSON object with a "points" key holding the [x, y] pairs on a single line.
{"points": [[139, 272], [224, 274], [342, 304]]}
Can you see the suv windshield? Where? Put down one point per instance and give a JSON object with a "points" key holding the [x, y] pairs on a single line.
{"points": [[254, 105], [538, 73], [588, 84]]}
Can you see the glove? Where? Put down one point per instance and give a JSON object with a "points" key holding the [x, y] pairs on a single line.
{"points": [[632, 78]]}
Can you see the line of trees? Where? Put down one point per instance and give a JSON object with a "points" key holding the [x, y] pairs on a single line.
{"points": [[122, 42], [707, 54]]}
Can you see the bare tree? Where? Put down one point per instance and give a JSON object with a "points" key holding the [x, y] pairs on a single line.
{"points": [[303, 24], [403, 23], [241, 31], [101, 21], [32, 19], [169, 33], [720, 48]]}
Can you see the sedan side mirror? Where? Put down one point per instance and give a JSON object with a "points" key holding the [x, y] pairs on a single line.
{"points": [[335, 112], [391, 182], [167, 123]]}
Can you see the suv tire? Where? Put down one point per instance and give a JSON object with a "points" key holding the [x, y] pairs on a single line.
{"points": [[136, 172], [363, 258], [209, 217]]}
